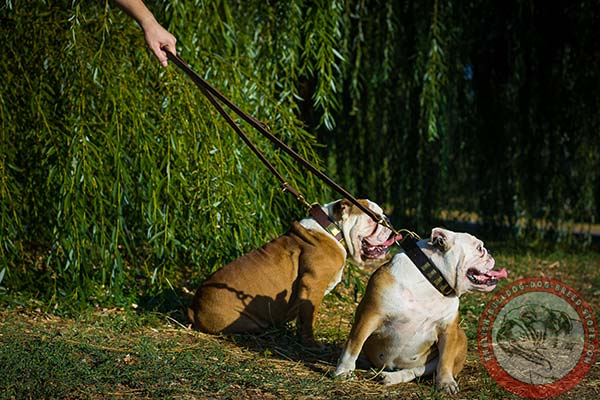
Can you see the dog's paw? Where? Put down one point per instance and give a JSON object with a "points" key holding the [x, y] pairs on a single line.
{"points": [[343, 373], [389, 378], [312, 344], [395, 377], [448, 386]]}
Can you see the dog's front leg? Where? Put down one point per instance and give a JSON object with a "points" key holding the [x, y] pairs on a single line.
{"points": [[304, 323], [309, 301], [366, 323], [452, 345]]}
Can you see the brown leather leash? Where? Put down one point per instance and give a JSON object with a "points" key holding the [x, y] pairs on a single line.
{"points": [[408, 243], [212, 94]]}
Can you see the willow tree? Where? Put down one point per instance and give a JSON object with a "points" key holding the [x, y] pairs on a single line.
{"points": [[113, 169], [472, 107]]}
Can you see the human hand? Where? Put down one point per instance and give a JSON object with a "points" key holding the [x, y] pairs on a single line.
{"points": [[158, 37]]}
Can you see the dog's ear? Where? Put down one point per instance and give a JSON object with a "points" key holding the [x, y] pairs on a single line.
{"points": [[341, 209], [441, 239]]}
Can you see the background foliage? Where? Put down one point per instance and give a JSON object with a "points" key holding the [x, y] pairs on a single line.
{"points": [[472, 106], [115, 174], [113, 169]]}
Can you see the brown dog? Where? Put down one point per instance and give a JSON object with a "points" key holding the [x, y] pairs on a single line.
{"points": [[289, 276], [408, 328]]}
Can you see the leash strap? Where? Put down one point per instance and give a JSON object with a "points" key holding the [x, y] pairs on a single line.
{"points": [[209, 90], [426, 266], [409, 245], [315, 210]]}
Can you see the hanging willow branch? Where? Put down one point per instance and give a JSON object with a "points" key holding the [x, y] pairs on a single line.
{"points": [[432, 97], [116, 169], [115, 173]]}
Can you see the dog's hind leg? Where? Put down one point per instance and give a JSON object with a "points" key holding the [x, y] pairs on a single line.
{"points": [[408, 374]]}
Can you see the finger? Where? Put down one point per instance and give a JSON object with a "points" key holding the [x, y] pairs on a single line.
{"points": [[160, 54], [163, 59], [170, 46]]}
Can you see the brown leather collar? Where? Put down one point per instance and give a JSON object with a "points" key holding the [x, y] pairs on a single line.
{"points": [[327, 223]]}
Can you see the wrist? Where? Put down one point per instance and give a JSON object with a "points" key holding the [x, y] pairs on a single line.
{"points": [[147, 22]]}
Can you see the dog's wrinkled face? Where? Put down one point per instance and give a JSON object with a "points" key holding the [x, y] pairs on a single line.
{"points": [[464, 261], [365, 239]]}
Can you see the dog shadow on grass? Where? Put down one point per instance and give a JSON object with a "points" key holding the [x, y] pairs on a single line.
{"points": [[280, 342]]}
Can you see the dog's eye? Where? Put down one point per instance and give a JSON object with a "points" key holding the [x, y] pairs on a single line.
{"points": [[480, 249]]}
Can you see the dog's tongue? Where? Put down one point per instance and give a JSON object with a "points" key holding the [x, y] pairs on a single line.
{"points": [[391, 240], [497, 274]]}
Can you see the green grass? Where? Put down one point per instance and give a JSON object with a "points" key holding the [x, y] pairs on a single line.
{"points": [[143, 353]]}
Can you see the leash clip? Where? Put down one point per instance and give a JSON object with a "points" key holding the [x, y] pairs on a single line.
{"points": [[286, 187]]}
